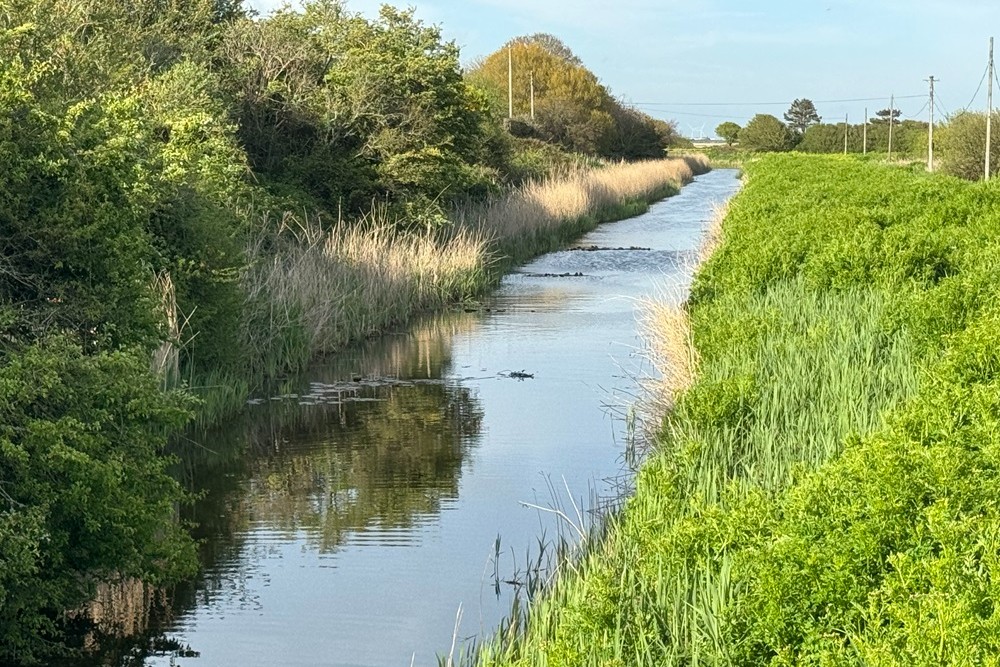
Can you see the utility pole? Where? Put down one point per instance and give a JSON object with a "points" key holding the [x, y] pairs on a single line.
{"points": [[930, 130], [510, 83], [532, 80], [864, 140], [845, 133], [892, 121], [989, 112]]}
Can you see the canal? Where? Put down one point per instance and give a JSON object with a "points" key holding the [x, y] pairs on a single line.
{"points": [[346, 520]]}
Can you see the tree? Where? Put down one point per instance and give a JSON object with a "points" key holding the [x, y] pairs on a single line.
{"points": [[882, 116], [766, 133], [571, 106], [553, 45], [729, 131], [349, 109], [86, 495], [801, 115]]}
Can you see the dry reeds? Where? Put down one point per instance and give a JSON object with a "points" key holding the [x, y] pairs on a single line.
{"points": [[665, 326], [666, 329], [546, 205], [165, 363], [311, 290], [350, 282], [712, 238]]}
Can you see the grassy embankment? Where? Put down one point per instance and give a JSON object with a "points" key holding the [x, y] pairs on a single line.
{"points": [[324, 289], [825, 488]]}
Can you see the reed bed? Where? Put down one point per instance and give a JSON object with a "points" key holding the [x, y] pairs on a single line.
{"points": [[312, 291], [541, 215], [354, 281]]}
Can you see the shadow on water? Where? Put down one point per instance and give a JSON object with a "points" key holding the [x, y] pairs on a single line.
{"points": [[334, 456]]}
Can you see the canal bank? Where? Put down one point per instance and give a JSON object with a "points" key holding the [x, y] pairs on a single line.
{"points": [[348, 519]]}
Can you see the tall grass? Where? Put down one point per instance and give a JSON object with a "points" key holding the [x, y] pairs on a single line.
{"points": [[350, 282], [777, 400], [824, 490]]}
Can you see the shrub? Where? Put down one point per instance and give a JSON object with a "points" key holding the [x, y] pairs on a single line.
{"points": [[962, 145], [766, 133]]}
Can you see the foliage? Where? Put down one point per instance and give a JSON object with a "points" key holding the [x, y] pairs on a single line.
{"points": [[348, 109], [84, 493], [962, 144], [729, 131], [72, 237], [909, 139], [797, 513], [801, 114], [882, 116], [765, 133], [571, 107]]}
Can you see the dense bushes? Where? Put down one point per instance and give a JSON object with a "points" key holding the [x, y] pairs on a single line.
{"points": [[84, 491], [963, 146], [767, 134], [909, 138], [825, 492]]}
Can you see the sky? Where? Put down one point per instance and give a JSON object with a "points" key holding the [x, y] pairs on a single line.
{"points": [[703, 62]]}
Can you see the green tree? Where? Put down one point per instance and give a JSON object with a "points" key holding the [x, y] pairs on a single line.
{"points": [[801, 114], [347, 109], [766, 133], [882, 116], [729, 131]]}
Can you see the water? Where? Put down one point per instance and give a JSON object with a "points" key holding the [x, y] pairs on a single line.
{"points": [[347, 520]]}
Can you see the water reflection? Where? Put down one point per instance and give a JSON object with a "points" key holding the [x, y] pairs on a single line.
{"points": [[330, 457], [350, 513]]}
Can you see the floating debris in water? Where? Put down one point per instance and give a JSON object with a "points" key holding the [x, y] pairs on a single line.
{"points": [[348, 391], [516, 375], [594, 248], [578, 274]]}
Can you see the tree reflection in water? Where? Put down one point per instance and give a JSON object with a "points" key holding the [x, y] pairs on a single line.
{"points": [[380, 456]]}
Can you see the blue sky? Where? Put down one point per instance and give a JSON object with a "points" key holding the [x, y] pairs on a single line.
{"points": [[701, 62]]}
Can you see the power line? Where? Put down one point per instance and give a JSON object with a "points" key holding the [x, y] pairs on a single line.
{"points": [[915, 115], [753, 104], [978, 88], [689, 113]]}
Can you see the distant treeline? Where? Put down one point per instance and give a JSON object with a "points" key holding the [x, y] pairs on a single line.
{"points": [[959, 140]]}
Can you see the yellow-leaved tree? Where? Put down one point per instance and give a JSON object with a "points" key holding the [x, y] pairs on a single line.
{"points": [[571, 106]]}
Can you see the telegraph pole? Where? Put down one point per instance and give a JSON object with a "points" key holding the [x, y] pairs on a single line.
{"points": [[989, 111], [532, 80], [864, 140], [930, 130], [845, 133], [510, 83], [892, 104]]}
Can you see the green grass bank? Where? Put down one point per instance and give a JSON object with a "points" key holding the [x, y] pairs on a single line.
{"points": [[825, 491]]}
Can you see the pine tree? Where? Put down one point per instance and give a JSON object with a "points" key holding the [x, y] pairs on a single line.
{"points": [[801, 115]]}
